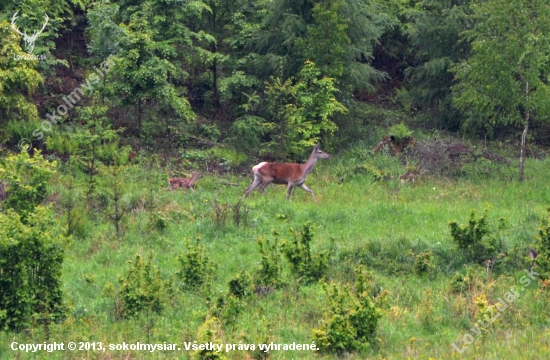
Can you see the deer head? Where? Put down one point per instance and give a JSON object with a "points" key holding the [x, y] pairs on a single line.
{"points": [[30, 40]]}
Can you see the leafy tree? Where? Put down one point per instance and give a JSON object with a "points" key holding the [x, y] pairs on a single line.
{"points": [[507, 78], [301, 113], [105, 35], [18, 81], [145, 72]]}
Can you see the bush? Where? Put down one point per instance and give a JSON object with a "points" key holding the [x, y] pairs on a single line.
{"points": [[210, 332], [423, 263], [477, 240], [543, 248], [31, 258], [400, 132], [27, 181], [241, 285], [350, 322], [270, 270], [196, 267], [142, 288], [307, 267]]}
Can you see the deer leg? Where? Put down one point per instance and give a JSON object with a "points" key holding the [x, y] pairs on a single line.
{"points": [[257, 182], [262, 187], [303, 186], [289, 190]]}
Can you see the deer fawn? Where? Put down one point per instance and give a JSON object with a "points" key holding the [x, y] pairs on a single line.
{"points": [[290, 174], [184, 183]]}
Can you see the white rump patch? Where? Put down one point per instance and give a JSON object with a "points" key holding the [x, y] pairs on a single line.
{"points": [[257, 167]]}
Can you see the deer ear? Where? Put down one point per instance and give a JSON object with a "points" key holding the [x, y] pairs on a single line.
{"points": [[316, 147]]}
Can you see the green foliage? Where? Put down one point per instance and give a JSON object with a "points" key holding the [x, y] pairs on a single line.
{"points": [[305, 266], [302, 112], [196, 268], [146, 67], [510, 51], [27, 180], [369, 171], [337, 35], [423, 263], [31, 259], [467, 280], [219, 213], [434, 30], [248, 131], [227, 308], [326, 41], [227, 157], [104, 33], [142, 287], [113, 185], [511, 48], [241, 285], [270, 271], [400, 132], [543, 248], [210, 331], [477, 239], [18, 80], [350, 319], [425, 312]]}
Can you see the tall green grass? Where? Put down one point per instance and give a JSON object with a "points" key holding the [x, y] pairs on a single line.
{"points": [[360, 220]]}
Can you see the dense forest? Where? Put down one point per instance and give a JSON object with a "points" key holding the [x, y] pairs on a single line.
{"points": [[128, 130]]}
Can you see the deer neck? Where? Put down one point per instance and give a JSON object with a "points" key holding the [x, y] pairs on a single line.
{"points": [[193, 179], [309, 165]]}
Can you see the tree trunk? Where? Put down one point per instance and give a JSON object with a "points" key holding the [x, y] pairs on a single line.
{"points": [[524, 133]]}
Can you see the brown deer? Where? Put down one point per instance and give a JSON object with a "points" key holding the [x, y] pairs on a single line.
{"points": [[184, 183], [285, 173]]}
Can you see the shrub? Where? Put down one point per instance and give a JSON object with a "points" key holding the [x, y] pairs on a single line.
{"points": [[31, 258], [196, 266], [477, 240], [27, 181], [543, 248], [227, 307], [307, 267], [400, 132], [370, 172], [467, 280], [423, 263], [210, 332], [241, 285], [142, 288], [349, 323], [269, 273]]}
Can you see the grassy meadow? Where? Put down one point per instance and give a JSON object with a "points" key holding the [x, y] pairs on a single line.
{"points": [[381, 223]]}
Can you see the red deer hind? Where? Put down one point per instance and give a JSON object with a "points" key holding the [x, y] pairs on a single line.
{"points": [[290, 174]]}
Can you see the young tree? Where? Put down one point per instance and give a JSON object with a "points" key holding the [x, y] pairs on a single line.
{"points": [[507, 78]]}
